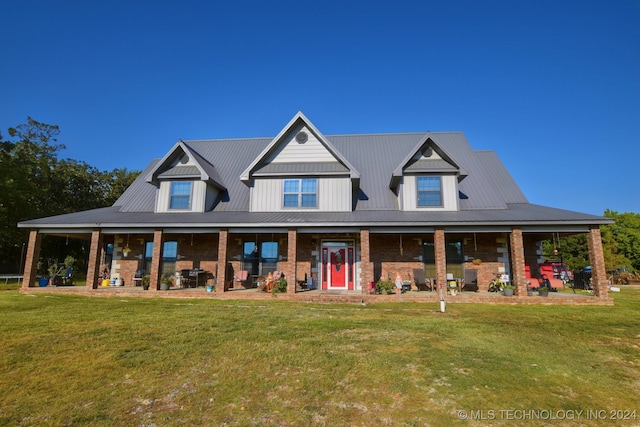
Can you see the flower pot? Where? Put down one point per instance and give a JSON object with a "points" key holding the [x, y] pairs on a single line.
{"points": [[508, 292], [209, 288], [43, 282], [543, 293], [164, 286]]}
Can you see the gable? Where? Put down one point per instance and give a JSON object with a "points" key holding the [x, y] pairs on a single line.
{"points": [[299, 143], [428, 157], [181, 162]]}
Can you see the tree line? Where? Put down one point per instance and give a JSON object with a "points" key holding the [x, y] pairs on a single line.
{"points": [[36, 182], [620, 244]]}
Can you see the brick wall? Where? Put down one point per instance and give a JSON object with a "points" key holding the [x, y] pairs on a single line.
{"points": [[391, 255]]}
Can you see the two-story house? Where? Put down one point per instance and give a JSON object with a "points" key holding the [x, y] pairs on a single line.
{"points": [[340, 210]]}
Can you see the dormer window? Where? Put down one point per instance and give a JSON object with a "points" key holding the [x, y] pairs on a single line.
{"points": [[300, 193], [429, 191], [180, 197]]}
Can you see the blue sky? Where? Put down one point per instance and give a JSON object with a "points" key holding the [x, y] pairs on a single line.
{"points": [[552, 86]]}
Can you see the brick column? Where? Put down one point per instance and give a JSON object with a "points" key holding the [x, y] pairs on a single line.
{"points": [[292, 260], [598, 270], [156, 257], [441, 258], [223, 238], [93, 269], [366, 267], [517, 262], [31, 263]]}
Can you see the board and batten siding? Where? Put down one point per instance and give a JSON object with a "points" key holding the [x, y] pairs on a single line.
{"points": [[199, 197], [409, 194], [334, 195]]}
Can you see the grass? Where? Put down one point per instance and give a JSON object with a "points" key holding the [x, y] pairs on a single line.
{"points": [[69, 360]]}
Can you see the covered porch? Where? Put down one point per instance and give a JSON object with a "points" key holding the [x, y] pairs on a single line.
{"points": [[346, 261]]}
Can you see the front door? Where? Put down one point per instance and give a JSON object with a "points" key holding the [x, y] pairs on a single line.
{"points": [[337, 267]]}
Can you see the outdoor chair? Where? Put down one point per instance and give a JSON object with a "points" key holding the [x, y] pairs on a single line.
{"points": [[470, 283], [242, 276], [187, 279], [420, 281], [67, 279], [136, 280]]}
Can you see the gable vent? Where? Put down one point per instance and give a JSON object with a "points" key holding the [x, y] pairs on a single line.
{"points": [[302, 137]]}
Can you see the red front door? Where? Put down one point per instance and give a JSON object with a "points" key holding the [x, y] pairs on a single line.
{"points": [[338, 271], [337, 267]]}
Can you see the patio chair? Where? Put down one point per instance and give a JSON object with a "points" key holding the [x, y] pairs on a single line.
{"points": [[420, 281], [67, 279], [470, 283], [187, 279], [136, 280], [242, 276]]}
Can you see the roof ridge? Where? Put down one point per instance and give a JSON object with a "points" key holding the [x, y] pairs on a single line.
{"points": [[328, 135]]}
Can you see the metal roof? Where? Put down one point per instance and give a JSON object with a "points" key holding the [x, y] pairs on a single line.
{"points": [[522, 215], [488, 195], [321, 168]]}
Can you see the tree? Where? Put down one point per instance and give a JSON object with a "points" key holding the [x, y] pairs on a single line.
{"points": [[620, 244], [35, 183], [622, 240]]}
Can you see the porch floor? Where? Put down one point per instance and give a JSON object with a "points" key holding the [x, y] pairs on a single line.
{"points": [[326, 296]]}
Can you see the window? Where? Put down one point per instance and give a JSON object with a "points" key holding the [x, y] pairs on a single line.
{"points": [[180, 197], [169, 257], [300, 193], [429, 191], [260, 258], [453, 254], [148, 254]]}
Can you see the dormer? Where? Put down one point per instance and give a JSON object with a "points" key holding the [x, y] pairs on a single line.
{"points": [[427, 179], [300, 170], [185, 182]]}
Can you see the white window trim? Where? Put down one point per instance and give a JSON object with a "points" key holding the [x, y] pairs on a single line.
{"points": [[188, 208], [300, 193], [440, 191]]}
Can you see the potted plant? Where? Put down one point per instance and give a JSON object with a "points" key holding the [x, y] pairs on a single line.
{"points": [[508, 290], [543, 291], [146, 279], [385, 287], [54, 270], [126, 250], [452, 286], [166, 282], [279, 286], [42, 278]]}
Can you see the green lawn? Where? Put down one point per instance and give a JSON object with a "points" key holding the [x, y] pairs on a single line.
{"points": [[68, 360]]}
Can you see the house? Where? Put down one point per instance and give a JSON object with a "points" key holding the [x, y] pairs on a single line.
{"points": [[337, 212]]}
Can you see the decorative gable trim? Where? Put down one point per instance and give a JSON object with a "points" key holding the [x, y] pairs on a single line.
{"points": [[419, 160], [198, 168], [263, 164]]}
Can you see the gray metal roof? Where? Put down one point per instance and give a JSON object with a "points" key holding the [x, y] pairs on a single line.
{"points": [[320, 168], [522, 215], [180, 172], [488, 195]]}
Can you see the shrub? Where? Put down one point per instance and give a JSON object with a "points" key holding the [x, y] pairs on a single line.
{"points": [[279, 286], [385, 287]]}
